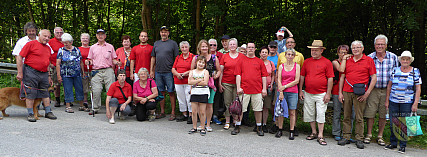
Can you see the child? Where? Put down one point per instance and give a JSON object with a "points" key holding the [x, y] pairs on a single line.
{"points": [[199, 79]]}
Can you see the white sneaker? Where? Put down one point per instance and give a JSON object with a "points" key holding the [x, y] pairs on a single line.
{"points": [[199, 128], [112, 121], [209, 129]]}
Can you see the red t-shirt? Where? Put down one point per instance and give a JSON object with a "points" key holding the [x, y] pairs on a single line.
{"points": [[120, 52], [251, 71], [114, 91], [144, 91], [316, 73], [55, 44], [358, 72], [229, 67], [335, 88], [142, 56], [36, 55], [182, 65], [219, 55], [85, 52]]}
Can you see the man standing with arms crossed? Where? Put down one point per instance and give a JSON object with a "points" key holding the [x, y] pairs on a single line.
{"points": [[162, 59], [384, 63], [34, 73], [102, 56], [317, 75], [251, 81]]}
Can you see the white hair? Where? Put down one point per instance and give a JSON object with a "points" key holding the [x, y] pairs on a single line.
{"points": [[213, 40], [357, 42], [54, 30], [67, 37], [84, 34], [233, 39], [381, 36], [184, 43], [141, 70]]}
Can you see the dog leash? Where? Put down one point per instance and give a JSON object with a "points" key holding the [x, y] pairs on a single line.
{"points": [[25, 91]]}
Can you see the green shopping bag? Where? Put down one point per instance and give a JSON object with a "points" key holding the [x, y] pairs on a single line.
{"points": [[413, 125]]}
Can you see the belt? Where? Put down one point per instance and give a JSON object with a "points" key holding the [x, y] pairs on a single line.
{"points": [[31, 68]]}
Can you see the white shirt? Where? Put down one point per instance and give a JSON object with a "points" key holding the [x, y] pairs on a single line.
{"points": [[21, 43]]}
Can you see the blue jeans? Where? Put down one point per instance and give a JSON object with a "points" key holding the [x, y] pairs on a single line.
{"points": [[396, 109], [164, 80], [68, 83]]}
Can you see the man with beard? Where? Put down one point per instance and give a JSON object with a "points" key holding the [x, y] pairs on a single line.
{"points": [[140, 55]]}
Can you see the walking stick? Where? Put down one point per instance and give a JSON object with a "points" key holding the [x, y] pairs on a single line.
{"points": [[90, 88]]}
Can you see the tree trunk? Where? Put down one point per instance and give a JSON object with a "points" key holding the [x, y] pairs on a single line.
{"points": [[150, 24], [86, 16], [108, 22], [30, 10], [123, 19], [420, 46], [42, 12], [143, 14], [73, 4], [198, 21]]}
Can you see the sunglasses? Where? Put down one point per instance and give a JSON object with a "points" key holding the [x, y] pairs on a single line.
{"points": [[212, 44], [273, 47]]}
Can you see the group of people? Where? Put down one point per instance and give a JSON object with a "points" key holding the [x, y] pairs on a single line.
{"points": [[360, 84]]}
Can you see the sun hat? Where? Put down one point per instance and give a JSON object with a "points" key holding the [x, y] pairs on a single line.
{"points": [[317, 44], [406, 54]]}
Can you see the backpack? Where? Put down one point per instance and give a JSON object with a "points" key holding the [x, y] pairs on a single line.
{"points": [[159, 97]]}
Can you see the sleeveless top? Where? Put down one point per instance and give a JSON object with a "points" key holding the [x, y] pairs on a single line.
{"points": [[210, 65], [199, 90], [337, 76], [287, 77]]}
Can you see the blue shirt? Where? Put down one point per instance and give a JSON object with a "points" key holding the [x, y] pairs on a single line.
{"points": [[281, 45], [384, 68], [70, 62], [274, 59], [403, 89]]}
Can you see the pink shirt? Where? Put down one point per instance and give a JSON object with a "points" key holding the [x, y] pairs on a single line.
{"points": [[146, 91], [288, 77], [270, 68], [102, 56]]}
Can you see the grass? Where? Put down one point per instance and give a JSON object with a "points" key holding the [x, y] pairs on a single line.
{"points": [[7, 80]]}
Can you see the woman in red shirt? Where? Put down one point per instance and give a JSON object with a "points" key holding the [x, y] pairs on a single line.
{"points": [[228, 79], [116, 99], [84, 49], [123, 54]]}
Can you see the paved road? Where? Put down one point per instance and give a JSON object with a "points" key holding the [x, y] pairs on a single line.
{"points": [[79, 134]]}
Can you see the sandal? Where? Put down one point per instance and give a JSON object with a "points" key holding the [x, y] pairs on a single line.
{"points": [[160, 115], [381, 141], [367, 140], [312, 136], [87, 110], [173, 117], [82, 108], [192, 131], [203, 132], [227, 126], [322, 141], [69, 110]]}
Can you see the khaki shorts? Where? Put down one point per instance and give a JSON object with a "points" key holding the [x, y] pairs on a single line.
{"points": [[267, 102], [54, 76], [255, 99], [375, 102], [314, 107], [85, 81]]}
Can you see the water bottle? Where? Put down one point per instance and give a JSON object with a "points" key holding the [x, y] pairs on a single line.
{"points": [[387, 117]]}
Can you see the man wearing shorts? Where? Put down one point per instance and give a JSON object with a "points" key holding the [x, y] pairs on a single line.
{"points": [[358, 70], [317, 75], [55, 43], [162, 59], [35, 69], [102, 57], [251, 81], [384, 63]]}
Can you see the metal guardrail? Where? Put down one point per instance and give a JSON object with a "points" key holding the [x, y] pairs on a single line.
{"points": [[8, 68]]}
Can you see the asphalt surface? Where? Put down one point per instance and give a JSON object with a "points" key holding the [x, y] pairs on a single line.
{"points": [[79, 134]]}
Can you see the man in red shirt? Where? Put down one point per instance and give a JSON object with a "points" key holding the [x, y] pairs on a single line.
{"points": [[55, 43], [37, 79], [358, 70], [140, 56], [317, 75], [251, 81]]}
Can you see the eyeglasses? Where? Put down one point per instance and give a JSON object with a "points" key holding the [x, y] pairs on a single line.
{"points": [[356, 47], [273, 47], [212, 44], [291, 42], [380, 44]]}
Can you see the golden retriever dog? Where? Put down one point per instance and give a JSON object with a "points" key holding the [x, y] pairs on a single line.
{"points": [[11, 96]]}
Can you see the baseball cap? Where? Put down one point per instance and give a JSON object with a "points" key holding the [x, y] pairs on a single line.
{"points": [[280, 32], [100, 30], [164, 27], [225, 37], [272, 43]]}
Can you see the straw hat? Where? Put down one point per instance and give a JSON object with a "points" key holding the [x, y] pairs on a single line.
{"points": [[406, 54], [317, 44]]}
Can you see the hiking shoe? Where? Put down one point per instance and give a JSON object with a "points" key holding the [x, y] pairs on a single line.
{"points": [[273, 129], [343, 142], [236, 130], [255, 129], [360, 145], [216, 120], [352, 140], [264, 129], [189, 120], [151, 118], [390, 147], [401, 150], [50, 116], [279, 134], [296, 133], [31, 118], [57, 104], [259, 131], [338, 138], [179, 118]]}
